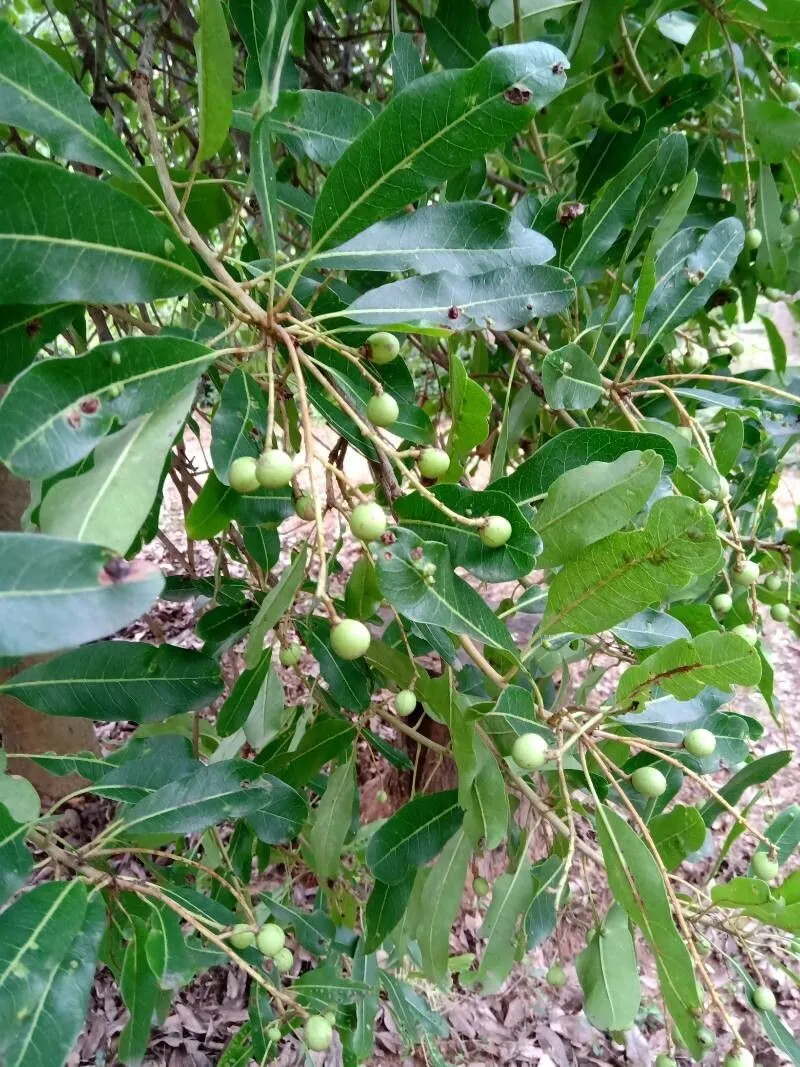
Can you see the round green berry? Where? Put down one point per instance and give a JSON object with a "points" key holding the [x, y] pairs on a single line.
{"points": [[242, 936], [792, 216], [695, 361], [773, 582], [741, 1057], [274, 468], [368, 522], [556, 976], [383, 347], [496, 531], [290, 655], [274, 1033], [748, 633], [480, 887], [736, 348], [771, 293], [780, 612], [705, 1036], [649, 781], [791, 90], [405, 702], [330, 1016], [764, 867], [381, 796], [753, 239], [745, 573], [350, 639], [722, 603], [433, 463], [318, 1033], [270, 940], [382, 410], [242, 475], [283, 961], [304, 507], [663, 1060], [529, 751], [764, 998], [700, 743]]}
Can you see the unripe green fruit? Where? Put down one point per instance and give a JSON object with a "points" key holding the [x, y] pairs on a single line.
{"points": [[649, 781], [663, 1060], [737, 348], [764, 867], [382, 410], [304, 507], [283, 960], [745, 573], [722, 603], [433, 463], [383, 347], [270, 939], [330, 1016], [318, 1033], [791, 91], [556, 976], [753, 239], [242, 475], [480, 887], [368, 522], [274, 468], [705, 1036], [723, 490], [700, 742], [350, 639], [381, 796], [764, 998], [274, 1033], [780, 612], [743, 1057], [405, 702], [242, 936], [496, 531], [792, 216], [773, 582], [291, 654], [749, 633], [771, 293], [529, 751], [695, 361]]}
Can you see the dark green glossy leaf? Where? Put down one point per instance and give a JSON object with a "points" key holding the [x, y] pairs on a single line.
{"points": [[318, 125], [325, 985], [570, 379], [314, 931], [469, 407], [281, 815], [413, 835], [326, 739], [16, 861], [385, 908], [237, 707], [755, 773], [677, 833], [609, 974], [274, 606], [146, 764], [239, 423], [332, 820], [444, 889], [362, 594], [139, 990], [214, 53], [349, 681], [454, 33], [24, 330], [406, 64]]}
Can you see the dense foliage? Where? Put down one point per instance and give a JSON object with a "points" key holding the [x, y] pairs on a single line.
{"points": [[466, 279]]}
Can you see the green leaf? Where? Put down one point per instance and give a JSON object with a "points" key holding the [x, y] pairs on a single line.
{"points": [[24, 330], [774, 1027], [118, 681], [267, 715], [501, 12], [576, 448], [139, 990], [447, 602], [784, 832], [239, 423], [406, 64], [570, 379], [588, 503], [501, 300], [319, 125], [625, 572], [84, 601], [68, 237], [213, 509], [469, 407], [146, 764], [214, 51], [637, 885], [323, 986], [513, 714], [740, 893], [108, 504], [411, 1013], [515, 559], [771, 258], [609, 974], [314, 931], [512, 895], [684, 668], [473, 238], [208, 204], [16, 861], [772, 128], [281, 816], [486, 803], [362, 594], [57, 410], [385, 908], [729, 440], [677, 833], [37, 95], [755, 773], [239, 703], [443, 889], [454, 33], [274, 606], [431, 131], [332, 820], [413, 835], [19, 798], [322, 742], [169, 957]]}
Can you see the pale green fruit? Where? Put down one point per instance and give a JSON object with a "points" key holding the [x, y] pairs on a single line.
{"points": [[274, 1033], [663, 1060], [304, 507], [791, 90], [242, 936], [736, 348], [771, 293], [405, 702], [792, 216], [433, 463], [649, 781], [705, 1036], [496, 531], [746, 573], [529, 751], [368, 522], [700, 742], [480, 887], [274, 468], [283, 961], [556, 976], [318, 1033], [748, 633], [723, 490], [381, 796], [764, 998], [722, 603], [382, 410], [753, 239], [350, 639], [695, 361], [773, 582], [270, 939], [780, 612], [242, 475], [764, 867], [383, 347], [742, 1057], [290, 655]]}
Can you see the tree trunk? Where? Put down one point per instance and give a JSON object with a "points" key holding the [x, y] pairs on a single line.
{"points": [[21, 728]]}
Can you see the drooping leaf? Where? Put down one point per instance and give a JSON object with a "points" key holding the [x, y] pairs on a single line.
{"points": [[239, 703], [274, 606], [609, 974], [139, 990], [24, 330], [454, 33], [755, 773], [445, 886], [327, 739], [239, 422], [214, 53], [677, 833], [413, 835], [512, 894], [570, 379], [385, 908], [16, 861], [332, 820], [469, 407], [319, 125]]}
